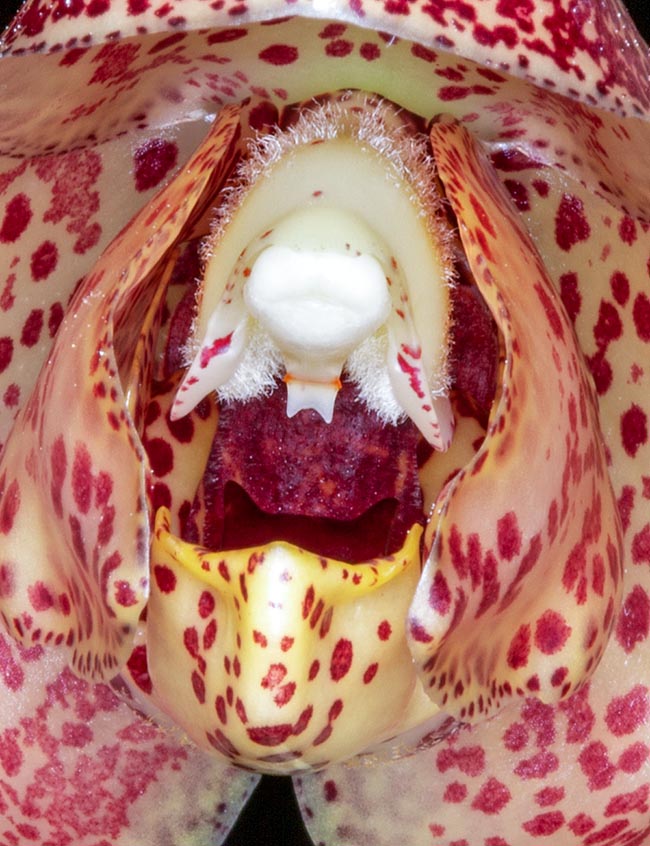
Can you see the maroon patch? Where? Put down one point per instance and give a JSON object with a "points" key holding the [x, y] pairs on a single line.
{"points": [[153, 161], [341, 659], [508, 536], [571, 226], [165, 578], [543, 825], [625, 714], [519, 650], [279, 54], [634, 429], [551, 632], [16, 219], [633, 624], [43, 261], [641, 315], [492, 797]]}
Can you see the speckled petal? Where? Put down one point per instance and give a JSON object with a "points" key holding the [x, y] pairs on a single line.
{"points": [[590, 51], [79, 766], [81, 474], [523, 581]]}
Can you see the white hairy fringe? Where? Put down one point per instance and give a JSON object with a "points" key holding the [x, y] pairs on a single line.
{"points": [[376, 123], [361, 117]]}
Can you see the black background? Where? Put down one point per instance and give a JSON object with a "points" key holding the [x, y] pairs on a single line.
{"points": [[271, 817]]}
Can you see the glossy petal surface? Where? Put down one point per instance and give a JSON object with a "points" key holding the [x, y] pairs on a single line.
{"points": [[124, 114]]}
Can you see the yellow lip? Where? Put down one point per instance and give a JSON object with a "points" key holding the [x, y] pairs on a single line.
{"points": [[277, 658]]}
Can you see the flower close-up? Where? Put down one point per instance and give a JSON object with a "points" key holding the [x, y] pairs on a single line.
{"points": [[324, 457]]}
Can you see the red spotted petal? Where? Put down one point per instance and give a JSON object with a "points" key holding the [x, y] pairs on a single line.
{"points": [[79, 766], [590, 51], [523, 581], [79, 477]]}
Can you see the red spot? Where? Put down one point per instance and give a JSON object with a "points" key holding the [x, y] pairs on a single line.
{"points": [[552, 314], [43, 261], [519, 194], [308, 602], [7, 580], [152, 162], [549, 796], [370, 673], [6, 353], [634, 429], [274, 676], [11, 671], [627, 713], [263, 116], [581, 824], [279, 54], [482, 215], [40, 597], [82, 479], [455, 792], [419, 633], [609, 326], [76, 735], [384, 630], [270, 735], [627, 230], [620, 286], [210, 634], [539, 766], [634, 620], [515, 737], [519, 650], [341, 659], [206, 604], [224, 36], [124, 594], [571, 224], [370, 52], [18, 213], [9, 505], [641, 546], [161, 456], [580, 716], [191, 641], [11, 756], [469, 760], [551, 632], [641, 315], [626, 803], [198, 686], [595, 764], [570, 295], [440, 594], [339, 48], [329, 790], [508, 536], [217, 347], [492, 797], [165, 578], [544, 825], [138, 668], [633, 758]]}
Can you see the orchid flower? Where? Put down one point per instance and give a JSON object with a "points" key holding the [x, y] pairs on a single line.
{"points": [[324, 377]]}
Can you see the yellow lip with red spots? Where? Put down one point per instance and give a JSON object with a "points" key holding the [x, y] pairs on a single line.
{"points": [[278, 658]]}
